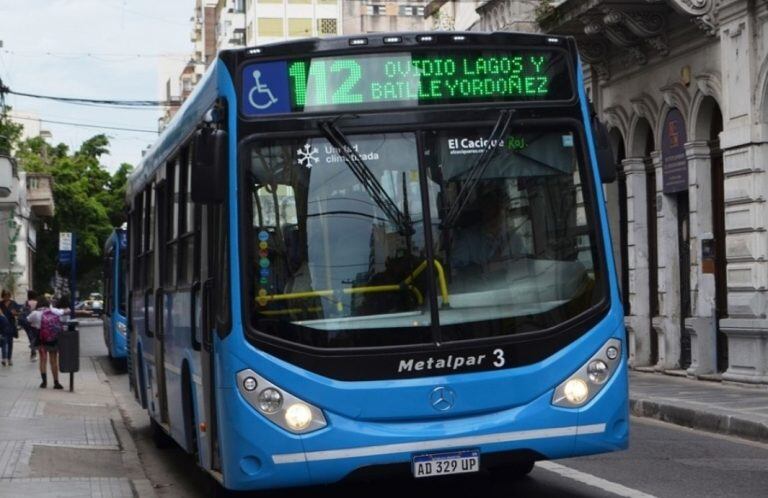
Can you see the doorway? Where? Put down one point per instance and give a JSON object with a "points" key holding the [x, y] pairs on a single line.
{"points": [[718, 229]]}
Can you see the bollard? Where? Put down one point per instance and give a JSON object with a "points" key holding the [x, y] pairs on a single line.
{"points": [[69, 351]]}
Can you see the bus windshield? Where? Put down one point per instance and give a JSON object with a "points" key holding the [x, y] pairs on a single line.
{"points": [[330, 268]]}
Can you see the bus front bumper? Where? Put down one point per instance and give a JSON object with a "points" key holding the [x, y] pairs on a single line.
{"points": [[261, 455]]}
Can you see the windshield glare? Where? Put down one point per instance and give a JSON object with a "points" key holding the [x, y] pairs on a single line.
{"points": [[331, 268]]}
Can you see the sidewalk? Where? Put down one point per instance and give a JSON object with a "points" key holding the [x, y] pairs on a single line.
{"points": [[61, 443], [735, 410]]}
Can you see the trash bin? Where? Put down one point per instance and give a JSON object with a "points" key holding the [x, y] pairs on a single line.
{"points": [[69, 348]]}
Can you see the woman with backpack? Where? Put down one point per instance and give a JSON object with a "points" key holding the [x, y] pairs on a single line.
{"points": [[49, 321], [23, 322], [9, 308], [6, 340]]}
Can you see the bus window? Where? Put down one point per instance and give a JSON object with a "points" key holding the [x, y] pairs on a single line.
{"points": [[519, 255], [326, 253]]}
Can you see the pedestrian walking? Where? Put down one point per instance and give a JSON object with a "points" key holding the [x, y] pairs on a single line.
{"points": [[49, 321], [6, 341], [9, 309], [32, 333]]}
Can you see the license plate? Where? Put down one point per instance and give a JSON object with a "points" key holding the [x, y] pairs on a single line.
{"points": [[441, 464]]}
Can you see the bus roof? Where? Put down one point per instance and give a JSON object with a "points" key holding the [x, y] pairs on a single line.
{"points": [[205, 93], [182, 125]]}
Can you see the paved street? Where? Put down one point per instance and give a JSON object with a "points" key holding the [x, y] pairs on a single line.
{"points": [[96, 442]]}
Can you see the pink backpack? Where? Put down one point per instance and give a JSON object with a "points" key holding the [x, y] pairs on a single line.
{"points": [[50, 326]]}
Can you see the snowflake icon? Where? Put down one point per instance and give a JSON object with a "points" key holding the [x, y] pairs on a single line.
{"points": [[306, 156]]}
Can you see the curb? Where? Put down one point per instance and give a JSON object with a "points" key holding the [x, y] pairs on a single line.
{"points": [[720, 423]]}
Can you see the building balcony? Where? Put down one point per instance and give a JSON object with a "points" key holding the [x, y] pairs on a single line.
{"points": [[40, 194], [613, 36]]}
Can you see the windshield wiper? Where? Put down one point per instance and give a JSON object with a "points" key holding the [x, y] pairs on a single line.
{"points": [[476, 171], [366, 178]]}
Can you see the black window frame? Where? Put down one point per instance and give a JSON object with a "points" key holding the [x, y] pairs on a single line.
{"points": [[572, 327]]}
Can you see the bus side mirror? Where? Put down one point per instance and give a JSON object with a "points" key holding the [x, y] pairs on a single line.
{"points": [[209, 166], [606, 164]]}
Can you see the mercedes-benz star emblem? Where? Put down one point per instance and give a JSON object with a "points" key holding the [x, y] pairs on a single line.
{"points": [[442, 398]]}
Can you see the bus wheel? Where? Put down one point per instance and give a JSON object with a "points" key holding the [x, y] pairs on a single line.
{"points": [[159, 437], [216, 490], [512, 471]]}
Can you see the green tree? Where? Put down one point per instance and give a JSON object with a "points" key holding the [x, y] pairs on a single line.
{"points": [[88, 203]]}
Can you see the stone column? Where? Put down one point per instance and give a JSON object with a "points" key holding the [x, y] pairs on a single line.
{"points": [[746, 184], [667, 325], [744, 141], [638, 324], [701, 325]]}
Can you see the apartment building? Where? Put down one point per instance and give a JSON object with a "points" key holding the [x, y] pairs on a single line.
{"points": [[377, 16], [274, 20]]}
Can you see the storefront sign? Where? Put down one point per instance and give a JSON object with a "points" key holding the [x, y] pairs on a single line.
{"points": [[673, 160]]}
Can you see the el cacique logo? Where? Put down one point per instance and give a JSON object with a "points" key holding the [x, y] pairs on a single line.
{"points": [[478, 144]]}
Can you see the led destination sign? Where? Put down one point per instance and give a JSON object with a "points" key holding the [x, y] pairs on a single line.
{"points": [[377, 81]]}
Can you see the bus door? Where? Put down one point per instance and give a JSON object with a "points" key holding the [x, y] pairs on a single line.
{"points": [[106, 319], [159, 298], [212, 233]]}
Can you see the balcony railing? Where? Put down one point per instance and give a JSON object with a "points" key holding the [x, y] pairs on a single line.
{"points": [[40, 193]]}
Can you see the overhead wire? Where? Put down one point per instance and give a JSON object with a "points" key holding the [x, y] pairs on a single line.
{"points": [[88, 125], [97, 55], [81, 100]]}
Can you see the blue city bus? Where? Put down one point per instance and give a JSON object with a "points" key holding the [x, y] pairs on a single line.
{"points": [[382, 253], [115, 316]]}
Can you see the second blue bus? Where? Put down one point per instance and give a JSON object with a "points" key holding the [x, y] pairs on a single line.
{"points": [[115, 318]]}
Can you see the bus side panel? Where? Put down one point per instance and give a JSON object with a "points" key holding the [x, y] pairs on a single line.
{"points": [[149, 356], [141, 345], [174, 352], [117, 340], [195, 359], [106, 325], [178, 352]]}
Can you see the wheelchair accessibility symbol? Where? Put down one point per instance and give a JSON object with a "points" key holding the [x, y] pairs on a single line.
{"points": [[265, 89], [260, 96]]}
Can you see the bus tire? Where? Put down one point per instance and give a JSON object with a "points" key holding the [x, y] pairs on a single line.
{"points": [[216, 490], [190, 424], [142, 382], [159, 437], [512, 471]]}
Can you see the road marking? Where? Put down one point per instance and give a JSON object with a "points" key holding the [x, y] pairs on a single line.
{"points": [[591, 480]]}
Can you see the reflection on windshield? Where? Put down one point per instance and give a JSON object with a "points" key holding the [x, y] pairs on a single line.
{"points": [[331, 268], [327, 256], [519, 255]]}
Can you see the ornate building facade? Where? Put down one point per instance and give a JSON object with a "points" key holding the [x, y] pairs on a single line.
{"points": [[683, 86]]}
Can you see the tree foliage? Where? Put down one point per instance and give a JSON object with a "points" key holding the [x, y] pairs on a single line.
{"points": [[89, 202]]}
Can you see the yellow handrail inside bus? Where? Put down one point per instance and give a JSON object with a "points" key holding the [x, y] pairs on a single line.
{"points": [[369, 289], [440, 278], [263, 300]]}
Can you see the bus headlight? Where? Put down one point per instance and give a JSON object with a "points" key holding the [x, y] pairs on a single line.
{"points": [[270, 400], [597, 371], [576, 391], [588, 380], [298, 416], [278, 405], [121, 327]]}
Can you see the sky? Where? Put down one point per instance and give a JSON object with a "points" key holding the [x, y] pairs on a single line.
{"points": [[97, 49]]}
